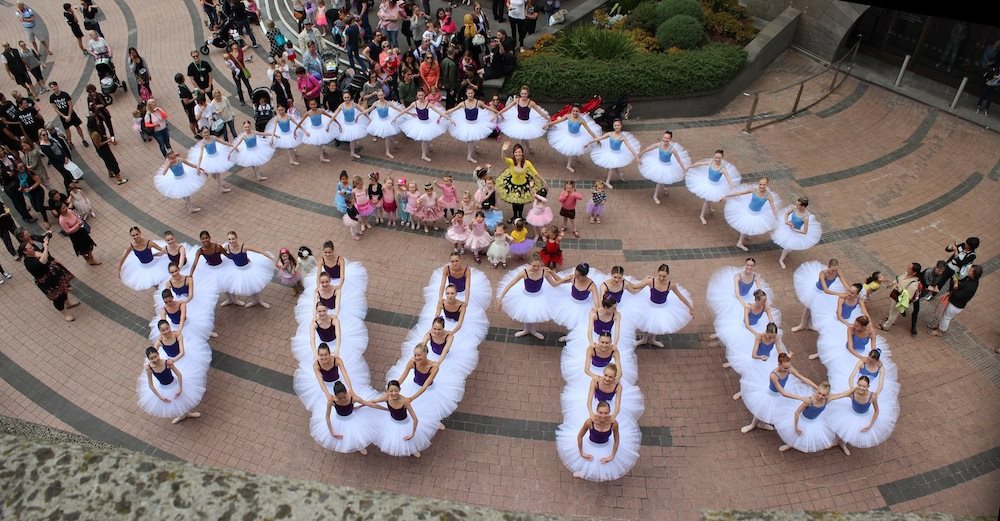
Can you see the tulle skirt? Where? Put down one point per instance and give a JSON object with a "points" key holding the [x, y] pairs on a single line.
{"points": [[789, 239], [463, 355], [189, 250], [384, 127], [521, 306], [539, 216], [805, 279], [498, 251], [423, 129], [439, 400], [470, 131], [481, 291], [574, 360], [250, 279], [746, 221], [606, 157], [390, 434], [179, 187], [139, 276], [569, 144], [763, 403], [593, 470], [478, 241], [493, 218], [739, 342], [352, 333], [659, 319], [817, 434], [185, 402], [567, 311], [456, 234], [515, 128], [199, 321], [352, 300], [216, 163], [574, 400], [358, 429], [197, 356], [307, 387], [288, 140], [318, 134], [352, 131], [659, 172], [522, 248], [699, 184], [260, 154], [721, 293], [595, 210], [847, 423]]}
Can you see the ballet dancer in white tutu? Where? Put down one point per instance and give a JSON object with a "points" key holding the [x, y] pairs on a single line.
{"points": [[418, 124], [143, 265], [212, 157], [600, 447], [657, 314], [767, 388], [565, 136], [868, 418], [285, 133], [581, 396], [799, 231], [401, 433], [250, 273], [348, 117], [316, 127], [664, 163], [350, 422], [712, 180], [383, 125], [613, 157], [251, 150], [165, 393], [198, 307], [526, 122], [472, 285], [176, 252], [525, 296], [803, 426], [179, 179], [476, 123], [745, 211]]}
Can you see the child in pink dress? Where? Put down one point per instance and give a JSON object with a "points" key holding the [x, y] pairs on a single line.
{"points": [[540, 214], [468, 203], [479, 236], [389, 201], [363, 205], [449, 195], [458, 232], [428, 209], [412, 205]]}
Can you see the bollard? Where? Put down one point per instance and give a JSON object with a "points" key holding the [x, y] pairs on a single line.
{"points": [[961, 89], [899, 78], [753, 110]]}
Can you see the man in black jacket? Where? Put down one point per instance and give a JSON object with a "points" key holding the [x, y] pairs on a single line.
{"points": [[959, 297]]}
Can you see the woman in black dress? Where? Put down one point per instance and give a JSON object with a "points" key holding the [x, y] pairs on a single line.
{"points": [[74, 26], [52, 278], [102, 145], [98, 108]]}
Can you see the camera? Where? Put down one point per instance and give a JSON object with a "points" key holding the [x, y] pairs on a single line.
{"points": [[48, 233]]}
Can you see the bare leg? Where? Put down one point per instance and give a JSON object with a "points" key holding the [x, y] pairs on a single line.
{"points": [[322, 154], [656, 193], [423, 151], [569, 164], [784, 447], [291, 157], [190, 209], [843, 447], [651, 340], [739, 243], [256, 173], [218, 181], [748, 428], [608, 180], [353, 153], [525, 330], [781, 260], [471, 151], [805, 323], [534, 332], [704, 208], [388, 148]]}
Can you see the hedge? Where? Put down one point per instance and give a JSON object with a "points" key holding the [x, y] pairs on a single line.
{"points": [[645, 16], [555, 77], [681, 31], [671, 8]]}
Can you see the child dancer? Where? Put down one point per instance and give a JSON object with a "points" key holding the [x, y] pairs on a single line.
{"points": [[468, 204], [413, 205], [540, 214], [403, 204], [458, 232], [376, 196], [551, 252], [520, 245], [500, 249], [597, 200], [316, 133], [343, 192], [428, 209], [351, 219], [449, 196], [479, 237], [289, 273], [389, 201], [179, 179], [568, 199], [363, 205]]}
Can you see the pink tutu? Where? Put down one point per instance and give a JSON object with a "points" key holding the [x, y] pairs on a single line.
{"points": [[366, 209], [539, 216], [349, 222]]}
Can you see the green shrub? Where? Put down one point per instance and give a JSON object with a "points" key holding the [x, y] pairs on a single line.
{"points": [[591, 42], [645, 16], [557, 77], [681, 31], [671, 8], [732, 7], [727, 25]]}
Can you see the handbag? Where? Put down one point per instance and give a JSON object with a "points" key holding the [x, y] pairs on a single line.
{"points": [[478, 39], [90, 24], [279, 39], [217, 124], [246, 73], [74, 170]]}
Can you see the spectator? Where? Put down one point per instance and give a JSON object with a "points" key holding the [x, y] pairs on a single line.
{"points": [[187, 102], [63, 103], [309, 87], [223, 110], [361, 9], [205, 115], [370, 90], [34, 65], [103, 144], [517, 12], [155, 118], [238, 70], [498, 63], [430, 73], [508, 44], [79, 235], [137, 64], [12, 187], [391, 15], [276, 38], [211, 9], [31, 120], [17, 70], [29, 22], [30, 185], [352, 41], [312, 61], [282, 89], [991, 79], [52, 278], [470, 79], [962, 258], [7, 229], [407, 89], [422, 50], [449, 78], [498, 10], [89, 12], [98, 46], [97, 106], [959, 297], [480, 19], [373, 48], [310, 34], [200, 72], [904, 290], [57, 151], [990, 54], [74, 26], [32, 158], [241, 18], [389, 60]]}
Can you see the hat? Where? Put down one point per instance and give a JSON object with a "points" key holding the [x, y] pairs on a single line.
{"points": [[283, 250], [373, 176], [402, 181], [428, 186]]}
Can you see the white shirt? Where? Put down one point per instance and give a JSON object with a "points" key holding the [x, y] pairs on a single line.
{"points": [[98, 46], [516, 9]]}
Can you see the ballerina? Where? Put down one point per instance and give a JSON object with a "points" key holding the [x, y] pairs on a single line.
{"points": [[316, 133], [571, 307], [867, 419], [540, 214], [615, 285], [529, 122], [667, 165], [430, 401], [567, 139], [734, 287], [764, 391], [704, 179], [176, 252], [184, 180], [348, 117], [199, 317], [736, 335], [173, 313], [349, 423], [799, 231], [146, 268], [586, 450], [383, 125], [471, 285], [745, 214], [655, 315], [395, 436], [428, 209], [212, 252], [254, 271], [806, 428], [250, 151], [211, 156], [418, 126], [529, 304], [609, 387], [764, 345], [475, 126], [860, 340], [517, 183], [284, 132], [613, 157], [812, 280], [328, 369], [161, 389]]}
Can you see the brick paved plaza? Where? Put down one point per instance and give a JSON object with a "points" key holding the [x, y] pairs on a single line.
{"points": [[892, 181]]}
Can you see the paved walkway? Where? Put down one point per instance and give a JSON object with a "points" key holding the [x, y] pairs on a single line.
{"points": [[891, 179]]}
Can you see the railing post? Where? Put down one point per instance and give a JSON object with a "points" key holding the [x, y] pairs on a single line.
{"points": [[899, 78], [961, 88], [795, 108], [753, 110], [836, 72], [854, 53]]}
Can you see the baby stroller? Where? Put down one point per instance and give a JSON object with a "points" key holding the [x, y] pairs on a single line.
{"points": [[263, 111], [606, 115], [108, 78], [226, 35], [585, 108]]}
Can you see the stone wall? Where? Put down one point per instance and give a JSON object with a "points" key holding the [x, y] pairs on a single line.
{"points": [[823, 24]]}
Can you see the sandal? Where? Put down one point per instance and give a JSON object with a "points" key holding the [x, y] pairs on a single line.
{"points": [[563, 229], [122, 180], [592, 220], [576, 234], [598, 220]]}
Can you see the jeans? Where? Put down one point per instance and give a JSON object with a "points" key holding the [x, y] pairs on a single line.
{"points": [[393, 37], [518, 31], [232, 128], [245, 28], [213, 15], [352, 53], [162, 138], [239, 79]]}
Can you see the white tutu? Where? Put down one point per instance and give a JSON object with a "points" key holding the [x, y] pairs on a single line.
{"points": [[478, 284], [653, 168], [574, 360], [721, 292], [593, 470], [659, 319], [817, 434], [192, 391], [179, 187], [195, 326], [139, 276], [498, 252], [746, 221], [199, 322], [441, 397], [699, 184], [382, 126], [189, 250], [250, 279], [521, 306], [606, 157], [258, 155], [308, 388], [763, 403], [352, 333], [313, 134], [789, 239], [463, 355], [281, 139], [532, 128], [197, 357], [358, 429], [574, 400], [565, 309], [353, 298], [847, 422], [739, 342], [216, 163], [423, 129], [390, 434], [569, 144], [352, 131], [468, 131], [840, 377], [806, 279]]}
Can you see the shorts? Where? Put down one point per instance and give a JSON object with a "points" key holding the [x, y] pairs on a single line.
{"points": [[189, 110], [73, 121], [77, 32], [569, 214], [29, 35]]}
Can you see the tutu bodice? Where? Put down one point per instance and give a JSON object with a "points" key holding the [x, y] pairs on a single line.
{"points": [[172, 350], [437, 347], [211, 148], [250, 142], [420, 377], [580, 294], [573, 126], [846, 309], [349, 114], [616, 144], [615, 295], [175, 317], [829, 282], [812, 412], [532, 285], [601, 361], [181, 291], [459, 282], [396, 414], [860, 343], [797, 221], [382, 112], [343, 410], [870, 374], [714, 175], [601, 326], [472, 114], [175, 258], [452, 315], [781, 381], [329, 375], [523, 113], [165, 377], [665, 155], [753, 318], [605, 396], [213, 259], [745, 287], [316, 120], [144, 255], [177, 169], [239, 258], [332, 271], [326, 334], [756, 202], [330, 302], [860, 407], [284, 125], [423, 114], [600, 437], [764, 349], [656, 296]]}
